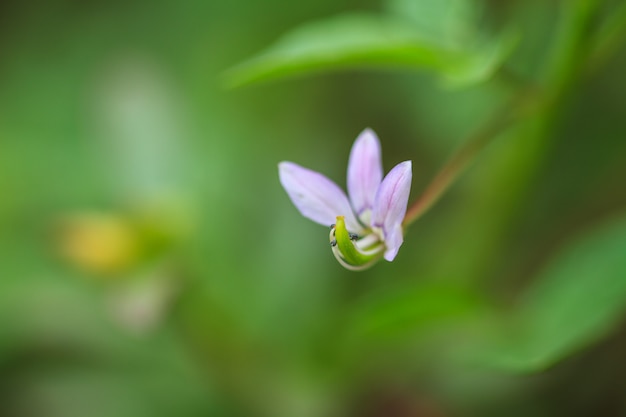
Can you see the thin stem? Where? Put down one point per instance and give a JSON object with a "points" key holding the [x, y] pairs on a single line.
{"points": [[568, 59], [503, 118]]}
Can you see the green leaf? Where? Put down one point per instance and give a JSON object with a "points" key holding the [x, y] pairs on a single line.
{"points": [[369, 41], [579, 298], [479, 64], [448, 22]]}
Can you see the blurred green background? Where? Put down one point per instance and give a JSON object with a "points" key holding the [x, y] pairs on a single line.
{"points": [[151, 264]]}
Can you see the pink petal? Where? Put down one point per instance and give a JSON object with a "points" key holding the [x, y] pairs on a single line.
{"points": [[390, 206], [365, 171], [315, 196], [393, 242]]}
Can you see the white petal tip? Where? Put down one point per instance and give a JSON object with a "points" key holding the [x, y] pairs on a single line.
{"points": [[406, 165], [367, 135], [393, 243], [390, 255]]}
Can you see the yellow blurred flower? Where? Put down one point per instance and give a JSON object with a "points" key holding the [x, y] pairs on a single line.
{"points": [[99, 242]]}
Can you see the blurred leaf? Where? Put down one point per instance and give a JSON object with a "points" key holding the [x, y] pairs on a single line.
{"points": [[361, 40], [448, 22], [482, 61], [579, 298]]}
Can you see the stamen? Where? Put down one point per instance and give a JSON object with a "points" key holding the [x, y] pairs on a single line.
{"points": [[346, 265], [347, 250], [367, 241]]}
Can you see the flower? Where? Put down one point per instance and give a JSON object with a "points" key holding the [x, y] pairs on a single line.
{"points": [[367, 224]]}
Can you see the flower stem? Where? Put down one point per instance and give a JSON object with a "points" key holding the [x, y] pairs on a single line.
{"points": [[568, 60], [517, 107]]}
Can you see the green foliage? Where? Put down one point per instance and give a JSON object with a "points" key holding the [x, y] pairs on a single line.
{"points": [[373, 41], [445, 22], [579, 297], [113, 111]]}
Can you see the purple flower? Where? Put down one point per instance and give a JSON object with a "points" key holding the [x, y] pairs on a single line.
{"points": [[372, 215]]}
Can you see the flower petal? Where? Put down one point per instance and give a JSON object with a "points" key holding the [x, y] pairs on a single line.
{"points": [[365, 171], [393, 242], [390, 206], [315, 196]]}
